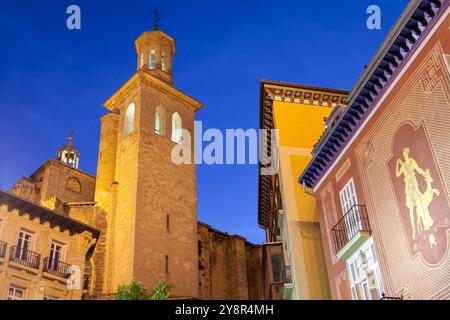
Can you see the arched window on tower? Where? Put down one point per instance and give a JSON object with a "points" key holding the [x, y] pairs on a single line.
{"points": [[176, 127], [142, 60], [163, 61], [160, 120], [129, 119], [152, 60]]}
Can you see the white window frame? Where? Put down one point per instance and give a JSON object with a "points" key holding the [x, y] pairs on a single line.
{"points": [[152, 60], [15, 289], [357, 277], [347, 196], [31, 241], [177, 128], [129, 119], [348, 200], [62, 253], [157, 123]]}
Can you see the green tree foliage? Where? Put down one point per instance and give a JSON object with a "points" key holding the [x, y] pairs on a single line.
{"points": [[133, 291], [161, 291]]}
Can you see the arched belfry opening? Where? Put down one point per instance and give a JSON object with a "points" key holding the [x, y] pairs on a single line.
{"points": [[68, 154], [155, 50]]}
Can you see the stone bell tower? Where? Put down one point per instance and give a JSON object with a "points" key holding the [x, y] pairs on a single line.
{"points": [[155, 51], [150, 203]]}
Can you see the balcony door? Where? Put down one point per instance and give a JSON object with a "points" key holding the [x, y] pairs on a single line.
{"points": [[364, 273], [24, 244], [56, 255], [349, 209]]}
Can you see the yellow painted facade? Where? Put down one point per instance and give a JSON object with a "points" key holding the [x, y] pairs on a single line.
{"points": [[300, 125]]}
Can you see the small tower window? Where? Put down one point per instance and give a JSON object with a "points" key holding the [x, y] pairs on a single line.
{"points": [[152, 60], [163, 61], [176, 127], [167, 264], [142, 60], [129, 119], [157, 123], [160, 121]]}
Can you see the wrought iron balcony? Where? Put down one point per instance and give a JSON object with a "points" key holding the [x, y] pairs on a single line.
{"points": [[287, 275], [350, 231], [384, 297], [3, 246], [25, 257], [57, 268]]}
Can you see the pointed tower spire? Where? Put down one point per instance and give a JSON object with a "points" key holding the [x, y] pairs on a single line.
{"points": [[68, 154]]}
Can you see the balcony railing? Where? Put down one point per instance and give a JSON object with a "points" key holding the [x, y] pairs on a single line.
{"points": [[3, 246], [26, 257], [385, 297], [353, 222], [287, 275], [57, 268]]}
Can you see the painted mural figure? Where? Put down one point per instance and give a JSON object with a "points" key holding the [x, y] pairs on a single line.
{"points": [[415, 199]]}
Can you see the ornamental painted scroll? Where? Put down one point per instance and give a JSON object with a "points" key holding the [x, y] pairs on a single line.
{"points": [[420, 193]]}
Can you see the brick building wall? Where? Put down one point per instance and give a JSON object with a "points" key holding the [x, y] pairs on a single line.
{"points": [[229, 266], [414, 114], [54, 184]]}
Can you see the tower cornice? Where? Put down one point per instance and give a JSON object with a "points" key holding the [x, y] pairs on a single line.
{"points": [[141, 77], [141, 39]]}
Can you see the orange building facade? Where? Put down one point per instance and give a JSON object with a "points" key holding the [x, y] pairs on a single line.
{"points": [[380, 171]]}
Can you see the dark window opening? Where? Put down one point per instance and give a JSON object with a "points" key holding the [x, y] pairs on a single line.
{"points": [[276, 268]]}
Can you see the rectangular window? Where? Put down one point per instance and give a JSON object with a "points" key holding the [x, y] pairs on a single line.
{"points": [[167, 264], [56, 255], [348, 196], [276, 268], [152, 60], [24, 244], [349, 209], [168, 222], [365, 280], [16, 293]]}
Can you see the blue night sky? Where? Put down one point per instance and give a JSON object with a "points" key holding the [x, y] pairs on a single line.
{"points": [[53, 80]]}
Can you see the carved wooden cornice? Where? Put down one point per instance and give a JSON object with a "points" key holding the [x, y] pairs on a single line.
{"points": [[308, 95]]}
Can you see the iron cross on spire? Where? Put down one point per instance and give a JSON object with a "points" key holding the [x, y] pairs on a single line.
{"points": [[156, 17]]}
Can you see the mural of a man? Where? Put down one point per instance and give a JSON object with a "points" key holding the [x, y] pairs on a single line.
{"points": [[408, 169]]}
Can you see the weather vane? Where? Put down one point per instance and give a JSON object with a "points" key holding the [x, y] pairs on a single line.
{"points": [[156, 17]]}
